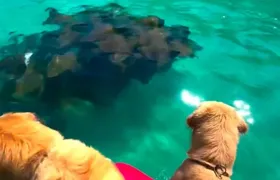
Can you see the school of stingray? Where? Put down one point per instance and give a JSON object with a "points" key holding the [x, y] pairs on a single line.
{"points": [[92, 55]]}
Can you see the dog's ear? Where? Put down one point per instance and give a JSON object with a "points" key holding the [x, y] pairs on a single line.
{"points": [[192, 120], [32, 164], [242, 126], [200, 114]]}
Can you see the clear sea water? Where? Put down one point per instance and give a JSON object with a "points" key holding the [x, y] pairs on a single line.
{"points": [[239, 65]]}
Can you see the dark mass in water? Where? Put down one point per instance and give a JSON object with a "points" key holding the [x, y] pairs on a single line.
{"points": [[92, 55]]}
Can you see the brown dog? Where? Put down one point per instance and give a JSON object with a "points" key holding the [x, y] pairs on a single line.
{"points": [[216, 130], [31, 151]]}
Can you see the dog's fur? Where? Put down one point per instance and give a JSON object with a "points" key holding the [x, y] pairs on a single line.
{"points": [[216, 128], [31, 151], [21, 137]]}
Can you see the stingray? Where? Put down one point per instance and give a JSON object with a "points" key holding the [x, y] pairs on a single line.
{"points": [[82, 27], [30, 82], [14, 65], [183, 49], [111, 11], [152, 21], [50, 39], [194, 45], [153, 36], [119, 60], [89, 14], [99, 32], [31, 41], [178, 32], [61, 63], [57, 18], [154, 46], [115, 43], [109, 41], [123, 25], [178, 40], [119, 48], [67, 37]]}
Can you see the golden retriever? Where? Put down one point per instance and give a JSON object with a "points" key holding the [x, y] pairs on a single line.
{"points": [[21, 137], [216, 128], [31, 151]]}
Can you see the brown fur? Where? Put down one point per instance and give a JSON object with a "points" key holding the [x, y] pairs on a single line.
{"points": [[216, 130], [31, 151]]}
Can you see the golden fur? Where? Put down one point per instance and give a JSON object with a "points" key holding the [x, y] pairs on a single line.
{"points": [[73, 160], [22, 136], [31, 151], [216, 128]]}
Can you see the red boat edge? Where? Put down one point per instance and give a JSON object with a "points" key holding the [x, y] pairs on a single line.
{"points": [[132, 173]]}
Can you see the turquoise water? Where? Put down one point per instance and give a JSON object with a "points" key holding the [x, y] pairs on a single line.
{"points": [[240, 62]]}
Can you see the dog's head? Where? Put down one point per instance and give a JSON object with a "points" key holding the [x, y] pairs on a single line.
{"points": [[26, 126], [213, 114], [22, 136]]}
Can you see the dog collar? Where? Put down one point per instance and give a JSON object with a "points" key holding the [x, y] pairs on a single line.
{"points": [[219, 170]]}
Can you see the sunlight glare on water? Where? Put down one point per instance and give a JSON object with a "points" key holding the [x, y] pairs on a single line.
{"points": [[244, 110], [241, 106], [190, 99], [27, 57]]}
